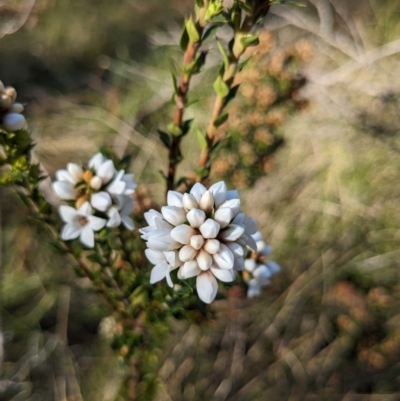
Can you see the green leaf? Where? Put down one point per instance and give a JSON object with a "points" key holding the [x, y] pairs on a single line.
{"points": [[244, 6], [174, 130], [200, 3], [186, 126], [202, 140], [175, 83], [242, 65], [232, 94], [221, 120], [192, 31], [250, 40], [219, 19], [165, 138], [220, 87], [224, 54], [95, 258], [210, 32], [184, 41], [196, 65]]}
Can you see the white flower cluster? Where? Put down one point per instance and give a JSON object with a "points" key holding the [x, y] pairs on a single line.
{"points": [[203, 233], [259, 270], [100, 189], [11, 118]]}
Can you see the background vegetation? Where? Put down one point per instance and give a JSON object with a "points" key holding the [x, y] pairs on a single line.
{"points": [[96, 73]]}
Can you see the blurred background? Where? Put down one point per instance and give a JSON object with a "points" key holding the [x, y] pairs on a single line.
{"points": [[315, 148]]}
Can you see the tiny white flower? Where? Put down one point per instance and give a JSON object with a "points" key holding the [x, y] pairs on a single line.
{"points": [[80, 223]]}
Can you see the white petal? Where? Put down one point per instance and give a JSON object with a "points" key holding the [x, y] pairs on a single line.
{"points": [[13, 122], [87, 236], [207, 201], [251, 226], [232, 195], [106, 171], [236, 249], [250, 265], [174, 215], [96, 161], [233, 204], [128, 222], [204, 260], [70, 231], [273, 267], [257, 236], [116, 187], [209, 229], [151, 215], [224, 258], [266, 250], [161, 240], [188, 270], [130, 184], [174, 198], [114, 219], [158, 272], [238, 264], [196, 241], [207, 287], [85, 210], [231, 233], [68, 214], [154, 257], [227, 276], [187, 253], [168, 277], [96, 223], [183, 234], [212, 246], [64, 175], [101, 201], [239, 219], [219, 192], [76, 171], [262, 274], [254, 289], [260, 245], [248, 239], [196, 217], [198, 190], [64, 190], [173, 259], [223, 216], [127, 204], [189, 202]]}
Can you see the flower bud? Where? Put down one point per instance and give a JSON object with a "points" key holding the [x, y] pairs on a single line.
{"points": [[13, 122], [197, 241], [16, 108], [209, 229], [187, 253], [223, 216], [183, 234], [5, 102], [250, 265], [189, 202], [204, 260], [232, 232], [11, 92], [196, 217], [96, 183], [207, 201], [212, 246], [174, 215]]}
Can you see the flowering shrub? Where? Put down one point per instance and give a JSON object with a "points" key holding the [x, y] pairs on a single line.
{"points": [[202, 234]]}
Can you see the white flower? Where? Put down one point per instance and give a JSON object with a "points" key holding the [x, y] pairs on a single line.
{"points": [[206, 232], [108, 191], [259, 271], [80, 223], [11, 118]]}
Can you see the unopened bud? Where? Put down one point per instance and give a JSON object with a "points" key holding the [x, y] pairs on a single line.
{"points": [[10, 91], [16, 108], [207, 201], [189, 202], [212, 246], [5, 102], [96, 183], [13, 122], [196, 241]]}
